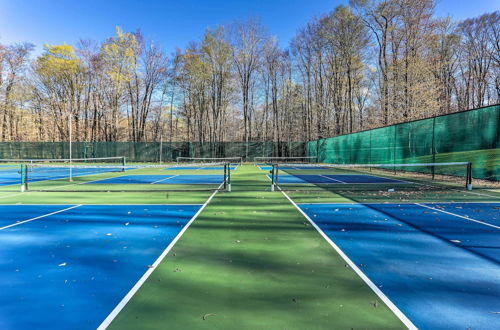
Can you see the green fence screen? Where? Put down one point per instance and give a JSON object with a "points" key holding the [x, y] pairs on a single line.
{"points": [[150, 151], [467, 136]]}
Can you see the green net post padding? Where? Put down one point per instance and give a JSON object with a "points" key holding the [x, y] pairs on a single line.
{"points": [[227, 181], [24, 182]]}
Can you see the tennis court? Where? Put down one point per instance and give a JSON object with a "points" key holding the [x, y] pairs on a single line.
{"points": [[389, 241], [376, 247], [79, 260], [441, 257], [343, 174]]}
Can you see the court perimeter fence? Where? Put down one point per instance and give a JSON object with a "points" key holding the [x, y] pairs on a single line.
{"points": [[466, 136], [150, 151]]}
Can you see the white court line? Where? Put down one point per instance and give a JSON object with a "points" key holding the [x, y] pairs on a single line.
{"points": [[175, 204], [52, 188], [398, 203], [392, 180], [65, 185], [332, 179], [40, 217], [96, 180], [303, 181], [409, 324], [170, 177], [459, 216], [12, 195], [347, 183], [343, 182], [458, 203], [107, 321], [478, 194]]}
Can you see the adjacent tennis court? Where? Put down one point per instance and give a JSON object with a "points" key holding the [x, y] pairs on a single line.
{"points": [[68, 266], [441, 257]]}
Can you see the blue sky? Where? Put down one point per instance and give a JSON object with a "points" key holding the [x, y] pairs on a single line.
{"points": [[171, 23]]}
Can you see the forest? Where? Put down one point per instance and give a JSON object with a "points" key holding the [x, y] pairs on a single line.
{"points": [[369, 64]]}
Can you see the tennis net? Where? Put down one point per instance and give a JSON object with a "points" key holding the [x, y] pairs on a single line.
{"points": [[284, 160], [57, 161], [369, 177], [122, 178]]}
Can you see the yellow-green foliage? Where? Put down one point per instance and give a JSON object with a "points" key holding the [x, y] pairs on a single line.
{"points": [[196, 68], [120, 54], [59, 60]]}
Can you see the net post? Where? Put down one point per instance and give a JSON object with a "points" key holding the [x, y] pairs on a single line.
{"points": [[272, 177], [24, 181], [228, 177], [70, 147], [224, 180], [276, 176], [124, 163], [469, 176]]}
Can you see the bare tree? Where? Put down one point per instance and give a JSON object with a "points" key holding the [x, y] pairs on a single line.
{"points": [[149, 70], [247, 40], [15, 59]]}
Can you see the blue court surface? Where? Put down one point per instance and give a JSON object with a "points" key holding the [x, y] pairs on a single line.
{"points": [[439, 263], [10, 176], [161, 179], [334, 179], [71, 265]]}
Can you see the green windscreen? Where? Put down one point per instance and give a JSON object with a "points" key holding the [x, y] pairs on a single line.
{"points": [[468, 136], [150, 151]]}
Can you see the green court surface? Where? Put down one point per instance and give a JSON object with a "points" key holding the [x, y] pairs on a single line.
{"points": [[252, 261]]}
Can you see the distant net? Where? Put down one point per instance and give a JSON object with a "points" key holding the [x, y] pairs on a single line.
{"points": [[66, 161], [284, 160], [122, 178], [386, 178], [208, 160]]}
